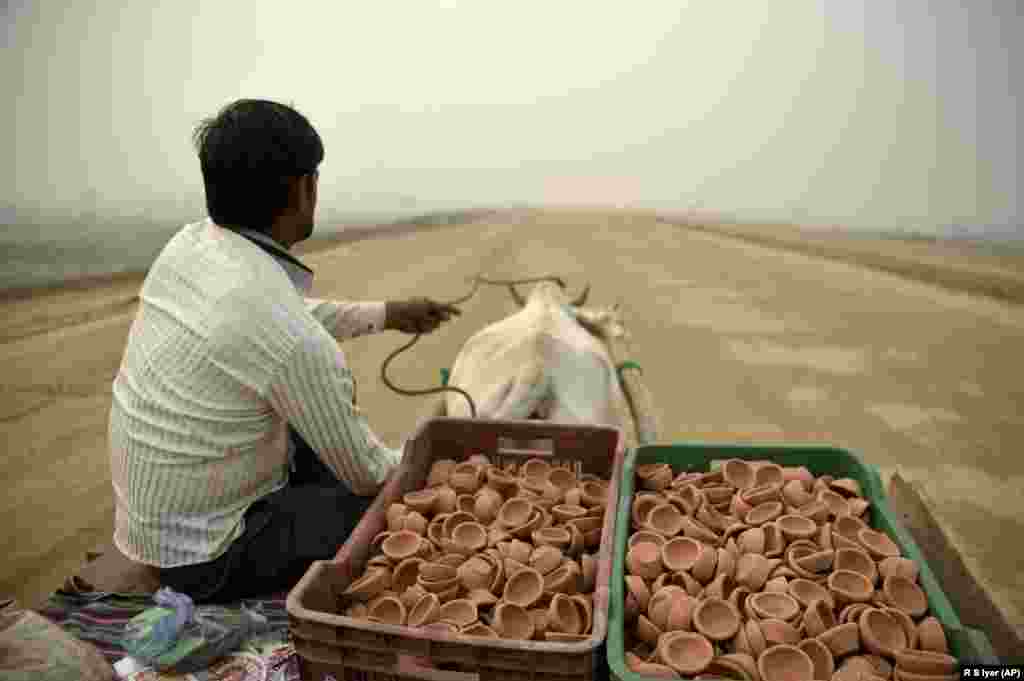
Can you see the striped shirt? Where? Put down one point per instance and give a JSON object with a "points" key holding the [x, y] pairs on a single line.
{"points": [[224, 352]]}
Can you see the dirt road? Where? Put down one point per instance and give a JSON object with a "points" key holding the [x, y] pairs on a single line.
{"points": [[737, 342]]}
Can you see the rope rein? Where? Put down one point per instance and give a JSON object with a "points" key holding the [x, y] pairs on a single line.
{"points": [[477, 280]]}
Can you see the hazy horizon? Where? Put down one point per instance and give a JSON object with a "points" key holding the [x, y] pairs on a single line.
{"points": [[900, 117]]}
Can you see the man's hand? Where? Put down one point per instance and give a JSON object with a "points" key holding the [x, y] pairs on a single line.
{"points": [[417, 315]]}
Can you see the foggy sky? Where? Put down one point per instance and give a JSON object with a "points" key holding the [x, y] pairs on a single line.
{"points": [[881, 115]]}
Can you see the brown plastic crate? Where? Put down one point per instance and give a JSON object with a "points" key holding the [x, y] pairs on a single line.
{"points": [[333, 646]]}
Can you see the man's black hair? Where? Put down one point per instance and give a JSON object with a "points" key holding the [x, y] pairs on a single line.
{"points": [[248, 153]]}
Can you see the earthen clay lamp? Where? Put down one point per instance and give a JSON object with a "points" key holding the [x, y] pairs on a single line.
{"points": [[904, 567], [765, 512], [476, 573], [878, 544], [443, 628], [469, 537], [486, 505], [465, 478], [847, 487], [821, 657], [842, 640], [905, 595], [795, 493], [848, 526], [774, 605], [686, 652], [426, 610], [544, 559], [439, 472], [932, 636], [552, 536], [437, 571], [373, 582], [661, 604], [639, 589], [454, 520], [647, 631], [777, 632], [401, 545], [850, 587], [588, 568], [881, 633], [564, 512], [818, 618], [461, 612], [388, 610], [646, 536], [666, 519], [480, 630], [738, 473], [513, 621], [593, 493], [562, 578], [585, 603], [785, 663], [733, 666], [421, 501], [644, 559], [537, 469], [406, 573], [524, 587], [836, 503], [680, 553], [564, 615], [797, 526], [752, 540], [446, 499], [770, 474], [501, 481], [642, 505], [515, 512], [851, 612], [717, 619], [806, 591], [680, 614], [752, 570], [562, 478], [925, 662], [856, 560]]}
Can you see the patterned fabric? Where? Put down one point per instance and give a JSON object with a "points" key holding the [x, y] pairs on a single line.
{"points": [[224, 353], [101, 618]]}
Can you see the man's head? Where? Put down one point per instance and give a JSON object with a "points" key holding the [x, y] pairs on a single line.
{"points": [[259, 161]]}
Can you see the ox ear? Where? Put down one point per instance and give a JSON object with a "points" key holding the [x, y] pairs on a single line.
{"points": [[581, 300], [516, 296]]}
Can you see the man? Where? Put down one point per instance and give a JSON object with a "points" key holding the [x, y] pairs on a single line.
{"points": [[230, 371]]}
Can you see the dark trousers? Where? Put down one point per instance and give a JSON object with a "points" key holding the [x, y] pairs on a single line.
{"points": [[285, 532]]}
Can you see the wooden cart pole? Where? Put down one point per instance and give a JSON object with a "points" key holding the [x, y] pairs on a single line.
{"points": [[641, 404]]}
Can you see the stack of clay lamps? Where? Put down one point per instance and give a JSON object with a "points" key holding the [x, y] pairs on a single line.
{"points": [[766, 573], [488, 552]]}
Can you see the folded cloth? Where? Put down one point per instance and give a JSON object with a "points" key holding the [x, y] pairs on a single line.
{"points": [[180, 637], [34, 648]]}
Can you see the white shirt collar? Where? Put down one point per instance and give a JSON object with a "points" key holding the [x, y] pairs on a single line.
{"points": [[300, 275]]}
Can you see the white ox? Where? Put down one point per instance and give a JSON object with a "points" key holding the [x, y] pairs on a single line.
{"points": [[548, 361]]}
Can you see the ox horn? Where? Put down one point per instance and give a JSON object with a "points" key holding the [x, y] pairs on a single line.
{"points": [[582, 299], [516, 296]]}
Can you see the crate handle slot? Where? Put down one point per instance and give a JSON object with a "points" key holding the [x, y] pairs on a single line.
{"points": [[407, 666], [527, 453], [507, 446]]}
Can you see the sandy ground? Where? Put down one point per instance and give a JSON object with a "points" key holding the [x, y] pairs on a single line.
{"points": [[737, 341]]}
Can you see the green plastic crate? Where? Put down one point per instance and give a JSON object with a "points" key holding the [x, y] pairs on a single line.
{"points": [[968, 645]]}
